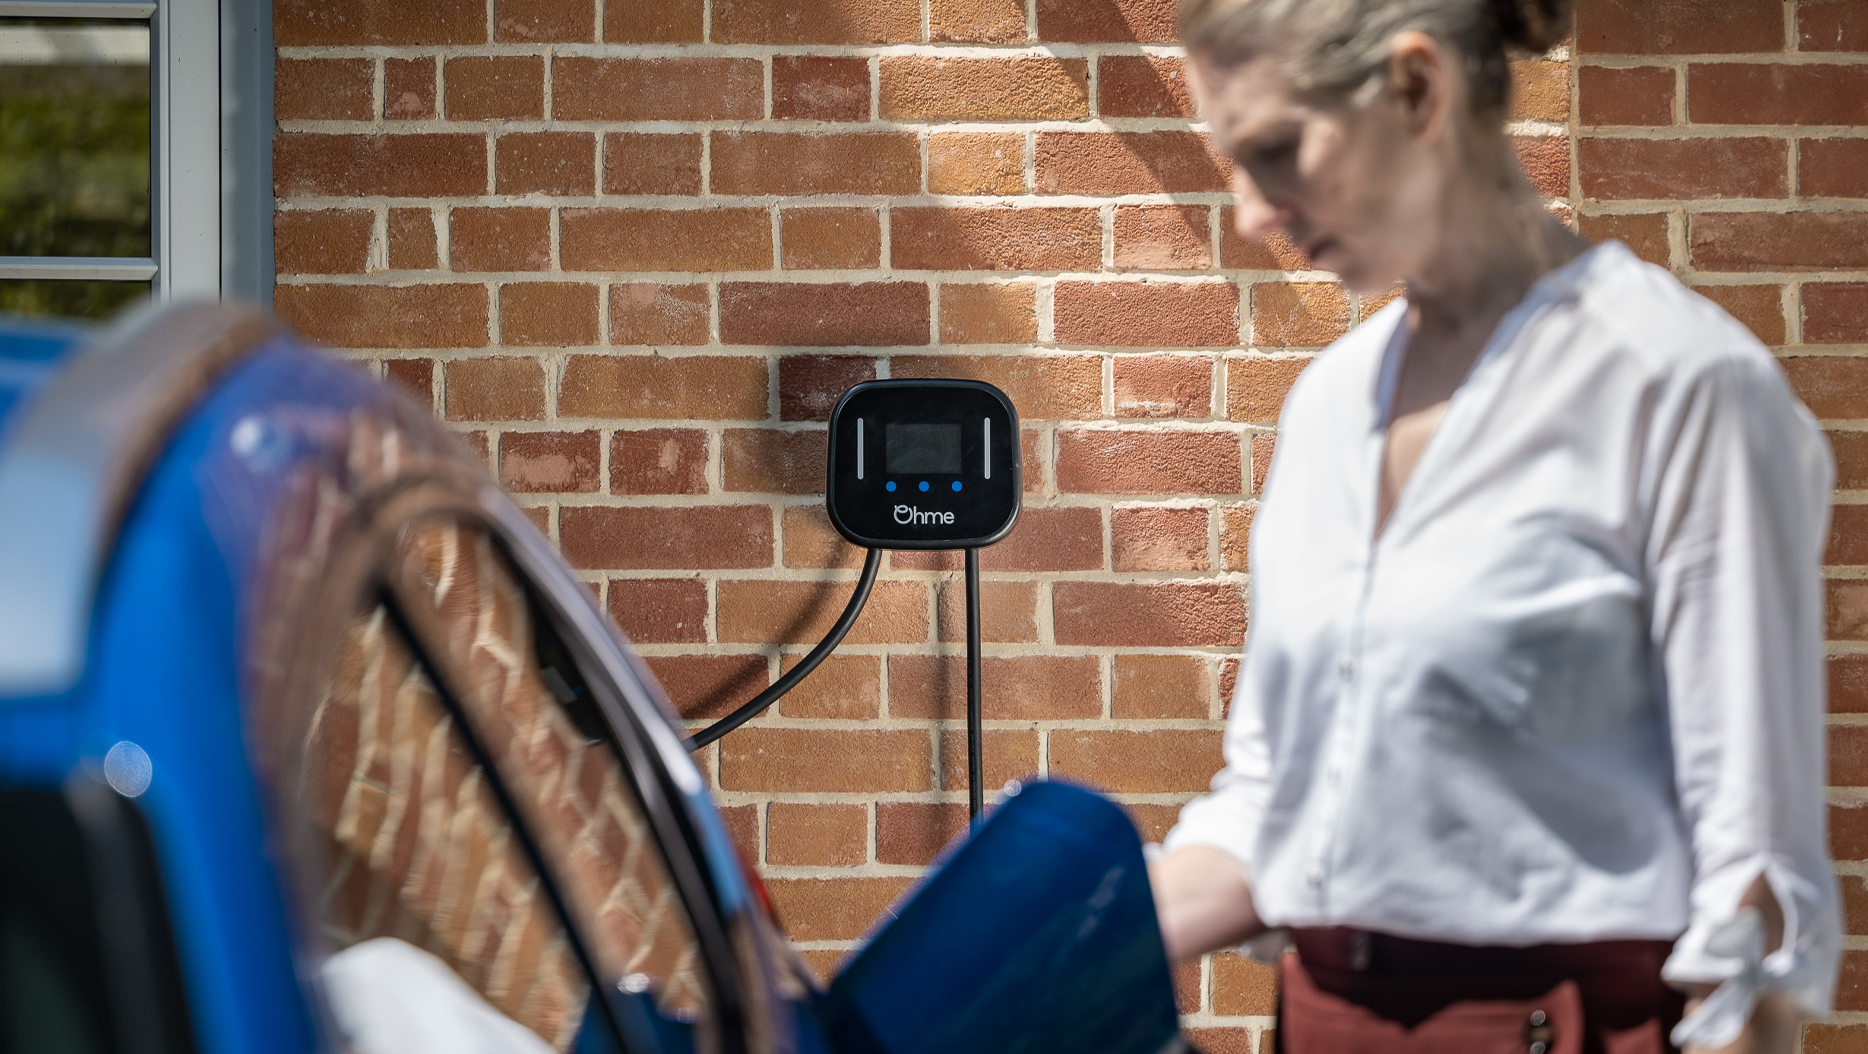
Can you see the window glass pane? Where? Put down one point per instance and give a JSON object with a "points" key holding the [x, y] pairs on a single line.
{"points": [[63, 298], [74, 138]]}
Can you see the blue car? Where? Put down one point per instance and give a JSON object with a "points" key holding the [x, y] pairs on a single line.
{"points": [[310, 741]]}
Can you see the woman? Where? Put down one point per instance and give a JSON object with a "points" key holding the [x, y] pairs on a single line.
{"points": [[1527, 745]]}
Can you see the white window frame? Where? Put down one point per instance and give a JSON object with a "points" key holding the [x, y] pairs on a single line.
{"points": [[210, 101]]}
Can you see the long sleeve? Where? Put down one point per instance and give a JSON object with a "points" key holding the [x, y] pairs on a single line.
{"points": [[1741, 479]]}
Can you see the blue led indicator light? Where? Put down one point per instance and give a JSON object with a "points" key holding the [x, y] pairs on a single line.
{"points": [[956, 484], [889, 486], [924, 486]]}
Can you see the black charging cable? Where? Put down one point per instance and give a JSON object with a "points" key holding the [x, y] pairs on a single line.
{"points": [[975, 787], [758, 703]]}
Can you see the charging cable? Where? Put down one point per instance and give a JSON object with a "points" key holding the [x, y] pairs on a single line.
{"points": [[974, 748]]}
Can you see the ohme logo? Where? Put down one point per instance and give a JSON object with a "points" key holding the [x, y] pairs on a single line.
{"points": [[906, 514]]}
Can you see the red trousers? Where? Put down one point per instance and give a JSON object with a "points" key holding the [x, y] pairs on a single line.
{"points": [[1355, 992]]}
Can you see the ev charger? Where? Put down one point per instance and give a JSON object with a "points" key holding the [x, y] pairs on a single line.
{"points": [[917, 465]]}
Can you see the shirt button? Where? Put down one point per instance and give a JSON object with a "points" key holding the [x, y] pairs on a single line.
{"points": [[1314, 876], [1346, 666]]}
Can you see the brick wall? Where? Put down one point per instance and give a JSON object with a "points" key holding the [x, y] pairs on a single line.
{"points": [[635, 250]]}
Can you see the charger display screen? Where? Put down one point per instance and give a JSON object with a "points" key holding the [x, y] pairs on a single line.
{"points": [[922, 448]]}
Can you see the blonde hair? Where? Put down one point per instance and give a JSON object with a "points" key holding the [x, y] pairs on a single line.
{"points": [[1335, 49]]}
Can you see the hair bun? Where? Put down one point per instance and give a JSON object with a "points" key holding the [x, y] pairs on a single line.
{"points": [[1533, 25]]}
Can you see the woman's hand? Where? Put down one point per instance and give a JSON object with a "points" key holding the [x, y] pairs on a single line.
{"points": [[1772, 1029], [1203, 901]]}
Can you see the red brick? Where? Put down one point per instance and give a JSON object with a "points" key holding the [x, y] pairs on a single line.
{"points": [[1163, 386], [1675, 169], [1848, 684], [377, 316], [793, 163], [1163, 237], [977, 21], [816, 21], [1008, 612], [811, 909], [1848, 832], [696, 387], [1830, 25], [1155, 762], [1850, 450], [651, 163], [811, 542], [1242, 987], [409, 89], [1157, 539], [1012, 688], [323, 90], [976, 163], [797, 759], [1256, 387], [412, 240], [490, 89], [1262, 445], [802, 835], [1638, 95], [1540, 91], [1043, 387], [1107, 21], [676, 539], [914, 832], [988, 314], [1273, 253], [1645, 234], [1545, 160], [1147, 314], [915, 88], [1298, 314], [1744, 93], [647, 313], [1848, 612], [1835, 313], [1848, 535], [1848, 755], [1759, 307], [1009, 754], [816, 239], [309, 23], [499, 239], [1679, 27], [658, 461], [502, 388], [1235, 537], [1165, 615], [1128, 163], [670, 89], [662, 22], [822, 315], [810, 88], [1063, 538], [307, 165], [1834, 1039], [547, 314], [1160, 687], [415, 376], [1129, 461], [555, 21], [845, 687], [1852, 985], [1832, 168], [1795, 241], [321, 241], [547, 462], [742, 826], [1143, 86], [660, 610], [769, 461], [708, 687], [765, 612], [545, 163], [1834, 388], [810, 385], [1004, 239], [665, 240]]}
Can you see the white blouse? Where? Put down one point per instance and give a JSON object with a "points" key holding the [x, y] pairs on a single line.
{"points": [[1573, 691]]}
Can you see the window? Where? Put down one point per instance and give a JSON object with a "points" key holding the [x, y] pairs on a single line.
{"points": [[128, 158]]}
